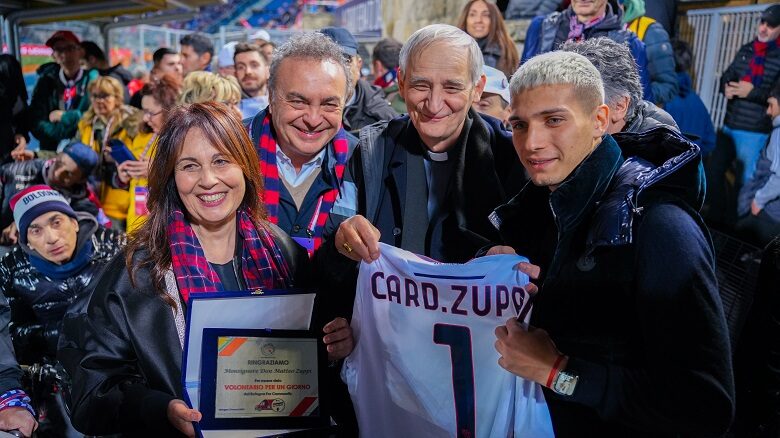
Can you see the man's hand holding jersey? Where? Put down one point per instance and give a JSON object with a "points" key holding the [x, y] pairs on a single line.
{"points": [[358, 239], [530, 354], [526, 352]]}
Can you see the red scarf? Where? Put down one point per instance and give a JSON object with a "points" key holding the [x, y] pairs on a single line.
{"points": [[755, 73], [266, 150], [262, 263]]}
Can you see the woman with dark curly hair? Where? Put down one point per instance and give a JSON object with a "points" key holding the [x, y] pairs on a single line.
{"points": [[483, 21]]}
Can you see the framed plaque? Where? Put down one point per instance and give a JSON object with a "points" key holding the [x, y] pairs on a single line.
{"points": [[261, 379]]}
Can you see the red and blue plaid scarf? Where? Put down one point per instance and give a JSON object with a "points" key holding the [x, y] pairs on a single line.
{"points": [[266, 150], [387, 79], [262, 263], [755, 73]]}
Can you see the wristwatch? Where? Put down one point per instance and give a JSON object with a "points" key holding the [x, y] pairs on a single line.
{"points": [[565, 383]]}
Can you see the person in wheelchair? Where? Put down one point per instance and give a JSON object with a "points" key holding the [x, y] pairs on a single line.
{"points": [[45, 277]]}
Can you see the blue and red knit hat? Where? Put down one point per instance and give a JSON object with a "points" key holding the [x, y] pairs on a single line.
{"points": [[34, 201]]}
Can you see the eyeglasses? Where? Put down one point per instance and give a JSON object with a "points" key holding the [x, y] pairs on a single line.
{"points": [[101, 96], [151, 114], [348, 59]]}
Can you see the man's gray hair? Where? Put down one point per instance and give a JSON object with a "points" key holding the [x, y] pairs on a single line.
{"points": [[450, 37], [617, 66], [560, 68], [313, 46]]}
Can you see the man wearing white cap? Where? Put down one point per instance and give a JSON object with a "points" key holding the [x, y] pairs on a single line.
{"points": [[495, 99], [263, 40], [225, 64], [260, 37]]}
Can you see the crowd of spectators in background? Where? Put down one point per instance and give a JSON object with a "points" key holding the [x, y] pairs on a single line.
{"points": [[100, 128]]}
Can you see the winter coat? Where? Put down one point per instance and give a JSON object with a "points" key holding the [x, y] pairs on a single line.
{"points": [[749, 114], [47, 97], [660, 58], [663, 11], [764, 185], [369, 107], [393, 96], [492, 55], [530, 8], [647, 117], [546, 33], [124, 355], [115, 201], [486, 173], [18, 175], [39, 303], [691, 115], [627, 282], [144, 146]]}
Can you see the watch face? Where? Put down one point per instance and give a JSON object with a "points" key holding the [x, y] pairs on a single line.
{"points": [[565, 383]]}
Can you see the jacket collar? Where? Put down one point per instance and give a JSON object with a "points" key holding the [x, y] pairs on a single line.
{"points": [[611, 21], [576, 197], [661, 164], [611, 192], [648, 116]]}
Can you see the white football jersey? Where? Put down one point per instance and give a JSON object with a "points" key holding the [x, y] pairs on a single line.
{"points": [[425, 363]]}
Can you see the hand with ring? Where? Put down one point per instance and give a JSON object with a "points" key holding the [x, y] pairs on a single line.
{"points": [[357, 239]]}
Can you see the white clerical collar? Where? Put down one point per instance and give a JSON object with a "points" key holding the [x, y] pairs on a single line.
{"points": [[437, 156]]}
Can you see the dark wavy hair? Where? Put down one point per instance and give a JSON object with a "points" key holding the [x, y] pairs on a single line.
{"points": [[149, 246], [165, 91], [498, 34]]}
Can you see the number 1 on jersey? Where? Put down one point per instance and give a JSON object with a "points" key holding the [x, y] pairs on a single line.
{"points": [[459, 340]]}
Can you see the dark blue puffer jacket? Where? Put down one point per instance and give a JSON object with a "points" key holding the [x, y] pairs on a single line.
{"points": [[660, 58]]}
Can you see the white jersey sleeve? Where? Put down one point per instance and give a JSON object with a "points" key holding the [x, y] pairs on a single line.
{"points": [[425, 364]]}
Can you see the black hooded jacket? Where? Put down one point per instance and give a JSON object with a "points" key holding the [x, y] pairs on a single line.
{"points": [[628, 290], [368, 108]]}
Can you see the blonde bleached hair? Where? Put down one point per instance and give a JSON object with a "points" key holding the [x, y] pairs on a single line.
{"points": [[560, 68], [106, 85], [203, 86]]}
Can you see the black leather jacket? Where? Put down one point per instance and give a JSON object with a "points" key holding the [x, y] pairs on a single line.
{"points": [[124, 355]]}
